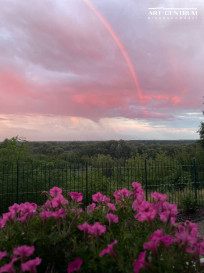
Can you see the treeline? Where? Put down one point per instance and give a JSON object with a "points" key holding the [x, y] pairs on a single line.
{"points": [[28, 168], [17, 149]]}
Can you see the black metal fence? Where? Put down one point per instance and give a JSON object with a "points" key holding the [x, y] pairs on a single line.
{"points": [[23, 182]]}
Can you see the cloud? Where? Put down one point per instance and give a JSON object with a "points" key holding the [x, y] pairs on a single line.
{"points": [[58, 58], [62, 128]]}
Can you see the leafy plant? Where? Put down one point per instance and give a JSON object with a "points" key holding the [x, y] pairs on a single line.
{"points": [[121, 234], [189, 204]]}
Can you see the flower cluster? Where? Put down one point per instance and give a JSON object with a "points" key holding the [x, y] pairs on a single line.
{"points": [[96, 229], [156, 239], [21, 253], [147, 211], [23, 213], [100, 198], [187, 236], [111, 229], [121, 195]]}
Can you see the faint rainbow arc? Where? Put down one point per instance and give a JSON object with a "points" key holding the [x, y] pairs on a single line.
{"points": [[120, 45]]}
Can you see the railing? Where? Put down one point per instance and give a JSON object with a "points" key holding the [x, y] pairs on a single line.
{"points": [[23, 182]]}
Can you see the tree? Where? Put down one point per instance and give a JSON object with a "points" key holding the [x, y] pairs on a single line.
{"points": [[201, 132], [13, 150]]}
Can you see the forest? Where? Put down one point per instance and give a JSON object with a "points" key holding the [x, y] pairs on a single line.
{"points": [[18, 149], [29, 168]]}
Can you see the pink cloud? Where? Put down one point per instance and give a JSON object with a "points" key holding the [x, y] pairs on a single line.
{"points": [[60, 61]]}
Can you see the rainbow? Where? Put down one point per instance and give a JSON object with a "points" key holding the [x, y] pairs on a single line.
{"points": [[120, 45]]}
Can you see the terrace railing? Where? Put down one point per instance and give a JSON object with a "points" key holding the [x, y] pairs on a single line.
{"points": [[21, 182]]}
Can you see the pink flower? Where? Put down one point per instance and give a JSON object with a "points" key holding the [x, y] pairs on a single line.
{"points": [[2, 254], [111, 207], [90, 208], [121, 195], [156, 238], [84, 227], [8, 216], [137, 202], [23, 218], [140, 263], [112, 218], [146, 212], [47, 206], [55, 191], [24, 251], [2, 223], [137, 190], [97, 229], [159, 196], [136, 186], [168, 212], [164, 216], [75, 196], [15, 208], [59, 201], [74, 265], [191, 227], [29, 208], [167, 240], [194, 250], [31, 265], [45, 214], [170, 207], [9, 267], [61, 213], [184, 237], [154, 241], [109, 250], [100, 198], [152, 245]]}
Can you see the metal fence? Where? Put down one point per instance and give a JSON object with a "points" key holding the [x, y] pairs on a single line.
{"points": [[21, 182]]}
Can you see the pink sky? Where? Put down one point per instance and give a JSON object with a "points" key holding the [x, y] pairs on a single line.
{"points": [[98, 70]]}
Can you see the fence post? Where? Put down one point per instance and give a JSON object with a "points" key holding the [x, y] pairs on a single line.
{"points": [[86, 183], [17, 181], [146, 179], [194, 178]]}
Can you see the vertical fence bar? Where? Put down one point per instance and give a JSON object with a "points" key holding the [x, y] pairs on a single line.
{"points": [[86, 183], [107, 171], [91, 181], [146, 178], [194, 178], [17, 181], [2, 190], [117, 175], [128, 174], [66, 178], [78, 176], [23, 182]]}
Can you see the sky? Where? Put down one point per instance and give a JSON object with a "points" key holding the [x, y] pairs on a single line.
{"points": [[100, 70]]}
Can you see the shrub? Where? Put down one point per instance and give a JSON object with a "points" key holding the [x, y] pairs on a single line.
{"points": [[189, 204], [122, 234]]}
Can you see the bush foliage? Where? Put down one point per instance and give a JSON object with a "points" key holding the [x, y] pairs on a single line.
{"points": [[124, 233]]}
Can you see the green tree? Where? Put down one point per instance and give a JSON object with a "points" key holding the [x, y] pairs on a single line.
{"points": [[201, 132], [14, 149]]}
